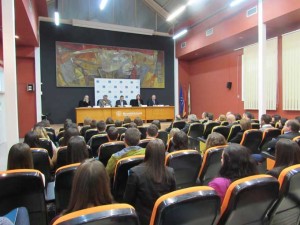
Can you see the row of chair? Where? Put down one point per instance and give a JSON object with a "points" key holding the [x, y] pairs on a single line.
{"points": [[259, 199]]}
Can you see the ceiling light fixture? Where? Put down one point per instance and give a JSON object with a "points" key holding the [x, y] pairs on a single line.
{"points": [[103, 4], [176, 13], [17, 37], [236, 2], [56, 14], [180, 34]]}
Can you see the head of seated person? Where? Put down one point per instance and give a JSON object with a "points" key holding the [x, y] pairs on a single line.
{"points": [[292, 126], [91, 187], [173, 131], [41, 132], [19, 157], [180, 141], [192, 118], [93, 124], [32, 139], [138, 121], [68, 122], [245, 124], [238, 116], [127, 119], [132, 137], [101, 126], [118, 123], [132, 125], [230, 118], [287, 153], [70, 132], [109, 120], [215, 139], [248, 116], [87, 121], [156, 123], [77, 150], [152, 131], [112, 134]]}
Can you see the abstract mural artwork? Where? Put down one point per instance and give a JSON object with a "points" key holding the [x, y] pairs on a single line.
{"points": [[78, 64]]}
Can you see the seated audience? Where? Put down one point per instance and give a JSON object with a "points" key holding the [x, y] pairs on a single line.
{"points": [[85, 102], [32, 140], [275, 119], [109, 120], [177, 118], [214, 139], [210, 118], [153, 101], [231, 120], [204, 116], [248, 116], [118, 123], [42, 133], [101, 127], [77, 150], [149, 180], [132, 138], [138, 101], [152, 132], [281, 123], [221, 118], [291, 130], [132, 125], [19, 157], [138, 121], [265, 121], [156, 123], [238, 116], [126, 120], [70, 132], [192, 118], [236, 164], [90, 187], [86, 126], [245, 125], [180, 141], [287, 153], [172, 132], [93, 124], [112, 134]]}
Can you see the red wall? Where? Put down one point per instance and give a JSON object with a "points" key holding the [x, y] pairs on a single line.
{"points": [[26, 100]]}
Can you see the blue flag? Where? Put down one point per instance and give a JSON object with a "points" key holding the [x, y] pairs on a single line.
{"points": [[181, 102]]}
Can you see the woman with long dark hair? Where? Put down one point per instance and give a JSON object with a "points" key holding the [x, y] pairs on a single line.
{"points": [[287, 153], [149, 180], [236, 164], [77, 150], [90, 187], [19, 157]]}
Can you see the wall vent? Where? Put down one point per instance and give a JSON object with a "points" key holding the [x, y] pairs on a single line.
{"points": [[183, 44], [209, 32], [252, 11]]}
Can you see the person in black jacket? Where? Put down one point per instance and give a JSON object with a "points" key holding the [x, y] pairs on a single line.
{"points": [[149, 180], [85, 102], [245, 125]]}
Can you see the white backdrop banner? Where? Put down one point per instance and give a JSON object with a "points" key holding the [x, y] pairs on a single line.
{"points": [[114, 88]]}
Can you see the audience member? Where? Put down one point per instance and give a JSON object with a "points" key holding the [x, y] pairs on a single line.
{"points": [[132, 125], [90, 188], [287, 153], [77, 150], [152, 132], [86, 126], [32, 140], [153, 101], [126, 120], [221, 118], [177, 118], [236, 164], [173, 131], [85, 102], [156, 123], [180, 141], [297, 118], [248, 116], [138, 121], [19, 157], [112, 134], [291, 130], [149, 180], [101, 127], [118, 123], [238, 116], [275, 119], [70, 132], [245, 125], [138, 101], [109, 120], [282, 122], [121, 102], [204, 116], [192, 118], [93, 124], [265, 121], [231, 120], [214, 139], [132, 138]]}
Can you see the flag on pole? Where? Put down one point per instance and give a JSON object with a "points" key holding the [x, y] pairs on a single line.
{"points": [[181, 103]]}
